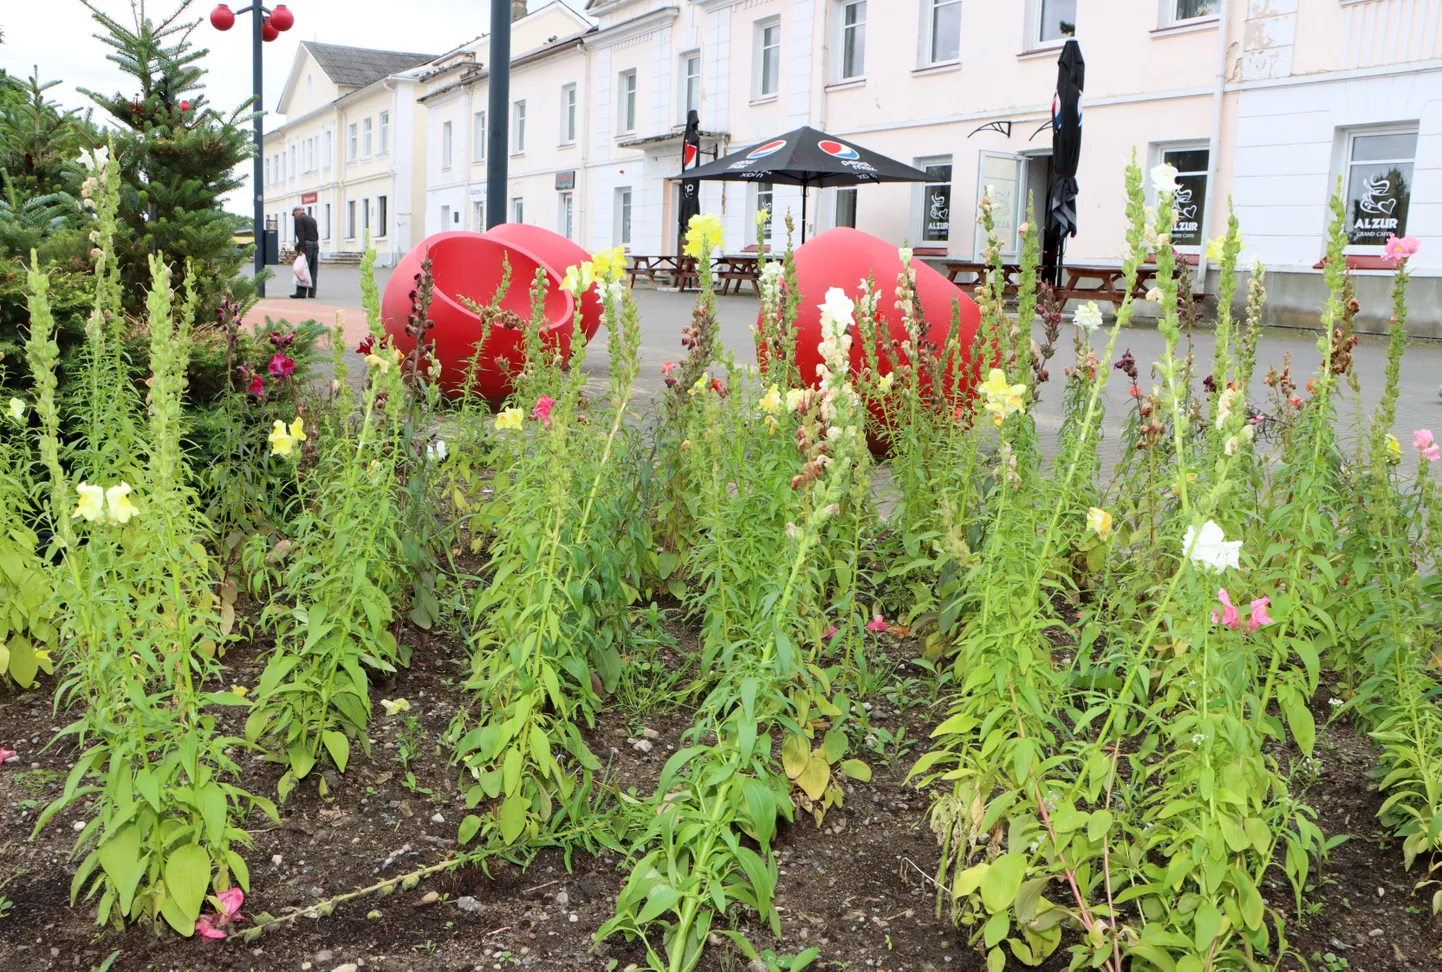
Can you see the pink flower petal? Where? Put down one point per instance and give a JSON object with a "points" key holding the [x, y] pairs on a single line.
{"points": [[1259, 616], [877, 623], [830, 633], [206, 929], [230, 901], [6, 755], [1230, 616]]}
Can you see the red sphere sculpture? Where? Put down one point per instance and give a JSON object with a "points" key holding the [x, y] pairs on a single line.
{"points": [[281, 17], [843, 257], [268, 32], [471, 265], [557, 253], [222, 18]]}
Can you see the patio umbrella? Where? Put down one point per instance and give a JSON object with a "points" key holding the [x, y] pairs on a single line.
{"points": [[1066, 132], [809, 159], [690, 188]]}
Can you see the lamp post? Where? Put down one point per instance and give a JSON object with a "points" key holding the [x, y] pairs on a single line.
{"points": [[266, 26], [499, 137]]}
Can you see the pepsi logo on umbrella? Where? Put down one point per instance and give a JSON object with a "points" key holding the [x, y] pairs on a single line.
{"points": [[691, 151], [770, 148], [837, 150]]}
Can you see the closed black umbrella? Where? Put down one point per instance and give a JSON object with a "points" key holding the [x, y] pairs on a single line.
{"points": [[1066, 133], [690, 159], [809, 159]]}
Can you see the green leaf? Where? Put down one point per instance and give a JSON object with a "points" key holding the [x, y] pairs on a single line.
{"points": [[1300, 721], [511, 771], [301, 759], [338, 746], [814, 777], [175, 917], [469, 826], [513, 817], [1002, 881], [996, 928], [23, 663], [833, 747], [995, 960], [120, 857], [1100, 824], [856, 769], [211, 800], [187, 875], [1208, 925], [1249, 899], [795, 753]]}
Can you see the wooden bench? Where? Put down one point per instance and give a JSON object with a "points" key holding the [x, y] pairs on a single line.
{"points": [[1081, 282]]}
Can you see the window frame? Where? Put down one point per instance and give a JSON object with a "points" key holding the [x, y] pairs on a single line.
{"points": [[566, 213], [918, 214], [266, 160], [759, 48], [1157, 153], [1167, 16], [350, 219], [1346, 137], [325, 231], [1032, 42], [352, 145], [326, 148], [383, 132], [293, 166], [518, 126], [478, 136], [383, 212], [626, 101], [447, 144], [767, 189], [838, 194], [518, 209], [367, 136], [625, 210], [928, 11], [569, 113], [366, 216], [686, 77], [842, 31]]}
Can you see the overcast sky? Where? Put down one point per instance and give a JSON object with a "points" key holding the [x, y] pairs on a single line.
{"points": [[58, 36]]}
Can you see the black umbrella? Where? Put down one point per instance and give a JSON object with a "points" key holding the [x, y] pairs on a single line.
{"points": [[809, 159], [690, 159], [1066, 132]]}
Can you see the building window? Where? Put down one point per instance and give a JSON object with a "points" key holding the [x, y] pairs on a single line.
{"points": [[351, 143], [766, 203], [478, 216], [853, 39], [626, 101], [350, 219], [1051, 22], [690, 84], [1189, 202], [767, 59], [565, 215], [382, 215], [518, 209], [623, 216], [846, 207], [445, 145], [568, 114], [325, 149], [1379, 185], [934, 217], [366, 137], [267, 170], [325, 227], [478, 137], [1181, 11], [385, 132], [366, 216], [445, 219], [292, 161], [942, 26], [518, 129]]}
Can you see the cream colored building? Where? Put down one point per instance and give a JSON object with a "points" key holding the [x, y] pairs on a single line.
{"points": [[349, 150]]}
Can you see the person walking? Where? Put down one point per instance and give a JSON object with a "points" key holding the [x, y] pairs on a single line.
{"points": [[307, 240]]}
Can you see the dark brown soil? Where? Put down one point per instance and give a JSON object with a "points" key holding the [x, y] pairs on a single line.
{"points": [[859, 888]]}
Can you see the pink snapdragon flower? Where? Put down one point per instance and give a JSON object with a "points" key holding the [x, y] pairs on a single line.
{"points": [[668, 368], [1424, 442], [1259, 614], [1229, 617], [7, 755], [213, 926], [542, 412], [282, 366], [830, 633], [1399, 248], [877, 623], [257, 386]]}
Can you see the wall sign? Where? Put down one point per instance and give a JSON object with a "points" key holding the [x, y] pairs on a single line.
{"points": [[566, 180], [307, 198]]}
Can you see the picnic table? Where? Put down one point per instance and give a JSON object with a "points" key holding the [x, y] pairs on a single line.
{"points": [[1081, 282], [682, 271]]}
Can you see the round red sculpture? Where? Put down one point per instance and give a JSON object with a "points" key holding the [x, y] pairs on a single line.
{"points": [[844, 257], [557, 253], [470, 265], [222, 18]]}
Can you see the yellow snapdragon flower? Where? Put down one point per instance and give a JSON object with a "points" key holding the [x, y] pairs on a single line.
{"points": [[1002, 399], [703, 235], [579, 278], [92, 502], [118, 499], [610, 265], [1099, 521], [509, 418], [771, 402]]}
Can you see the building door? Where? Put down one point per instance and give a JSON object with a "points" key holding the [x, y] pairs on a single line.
{"points": [[1003, 175]]}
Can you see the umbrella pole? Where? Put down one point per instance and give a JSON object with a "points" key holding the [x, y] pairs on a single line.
{"points": [[805, 191]]}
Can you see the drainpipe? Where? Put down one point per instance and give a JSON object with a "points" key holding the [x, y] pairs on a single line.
{"points": [[1199, 283], [821, 111]]}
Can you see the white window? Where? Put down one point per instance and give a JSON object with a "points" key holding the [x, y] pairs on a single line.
{"points": [[366, 215], [766, 59], [445, 145], [565, 215], [766, 203], [478, 216], [445, 219], [351, 143], [1050, 22], [933, 216], [292, 160], [568, 114], [626, 100], [1379, 183], [623, 216], [325, 149], [1001, 176], [350, 219], [853, 39], [1177, 12], [518, 129], [366, 136], [690, 84], [941, 31], [1189, 201], [846, 207], [478, 137], [518, 209], [267, 170], [325, 227], [385, 133], [383, 215]]}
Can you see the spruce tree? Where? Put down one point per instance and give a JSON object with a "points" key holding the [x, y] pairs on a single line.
{"points": [[178, 156]]}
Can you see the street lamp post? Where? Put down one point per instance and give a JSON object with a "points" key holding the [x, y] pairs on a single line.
{"points": [[266, 26], [499, 137]]}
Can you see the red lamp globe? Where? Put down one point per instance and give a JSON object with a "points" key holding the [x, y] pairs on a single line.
{"points": [[281, 17], [268, 32], [222, 18]]}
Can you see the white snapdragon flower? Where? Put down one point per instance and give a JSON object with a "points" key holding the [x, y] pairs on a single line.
{"points": [[1088, 317], [1210, 549], [1164, 177]]}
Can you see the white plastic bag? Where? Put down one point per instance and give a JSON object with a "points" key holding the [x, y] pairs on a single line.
{"points": [[302, 271]]}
